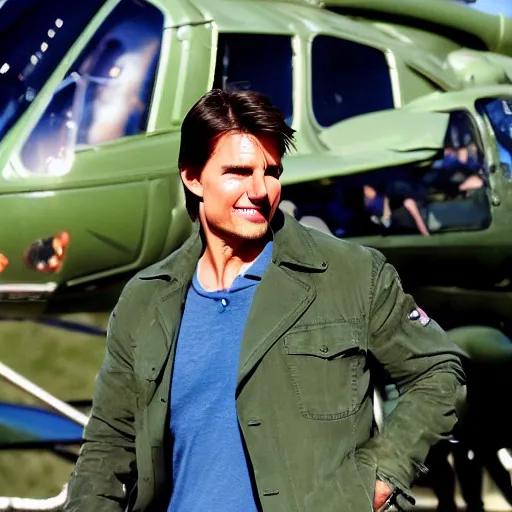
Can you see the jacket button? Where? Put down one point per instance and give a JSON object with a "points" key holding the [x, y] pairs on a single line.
{"points": [[324, 349], [255, 422], [270, 492]]}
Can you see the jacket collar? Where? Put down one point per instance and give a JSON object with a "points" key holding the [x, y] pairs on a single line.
{"points": [[293, 246]]}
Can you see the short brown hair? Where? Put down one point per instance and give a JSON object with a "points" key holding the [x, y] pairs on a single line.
{"points": [[218, 112]]}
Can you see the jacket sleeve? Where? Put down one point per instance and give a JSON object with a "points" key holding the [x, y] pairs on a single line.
{"points": [[425, 366], [105, 470]]}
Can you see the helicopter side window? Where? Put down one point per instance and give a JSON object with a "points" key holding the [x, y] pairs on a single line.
{"points": [[449, 195], [348, 79], [34, 38], [243, 63], [106, 93], [499, 113]]}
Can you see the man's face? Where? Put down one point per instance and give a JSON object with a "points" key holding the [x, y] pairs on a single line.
{"points": [[240, 186]]}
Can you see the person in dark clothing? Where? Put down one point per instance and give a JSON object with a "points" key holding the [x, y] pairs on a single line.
{"points": [[398, 207]]}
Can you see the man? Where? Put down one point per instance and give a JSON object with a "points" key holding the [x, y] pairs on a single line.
{"points": [[236, 376]]}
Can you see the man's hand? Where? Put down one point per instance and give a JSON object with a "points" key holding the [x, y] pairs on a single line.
{"points": [[472, 182], [382, 492]]}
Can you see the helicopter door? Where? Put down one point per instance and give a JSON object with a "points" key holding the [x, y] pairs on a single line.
{"points": [[81, 139], [391, 193]]}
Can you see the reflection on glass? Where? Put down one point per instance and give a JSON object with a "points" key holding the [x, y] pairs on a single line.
{"points": [[348, 79], [105, 95], [243, 62], [24, 27], [449, 195], [47, 254]]}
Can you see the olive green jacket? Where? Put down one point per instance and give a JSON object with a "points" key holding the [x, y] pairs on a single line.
{"points": [[323, 311]]}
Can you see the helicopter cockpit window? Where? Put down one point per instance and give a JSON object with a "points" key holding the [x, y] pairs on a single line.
{"points": [[499, 113], [34, 37], [243, 62], [450, 194], [107, 92], [348, 79]]}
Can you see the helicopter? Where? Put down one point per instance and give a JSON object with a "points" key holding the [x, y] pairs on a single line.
{"points": [[91, 109], [379, 91]]}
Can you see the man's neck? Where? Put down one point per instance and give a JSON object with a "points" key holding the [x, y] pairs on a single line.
{"points": [[222, 261]]}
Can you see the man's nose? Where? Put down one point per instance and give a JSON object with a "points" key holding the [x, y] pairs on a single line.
{"points": [[257, 188]]}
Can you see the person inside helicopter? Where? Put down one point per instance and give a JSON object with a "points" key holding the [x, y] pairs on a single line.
{"points": [[459, 172], [457, 183], [398, 206], [450, 195]]}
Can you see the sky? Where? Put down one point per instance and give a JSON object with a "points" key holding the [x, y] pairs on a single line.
{"points": [[494, 6]]}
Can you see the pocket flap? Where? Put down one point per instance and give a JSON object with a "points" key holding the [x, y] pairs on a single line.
{"points": [[151, 353], [325, 341]]}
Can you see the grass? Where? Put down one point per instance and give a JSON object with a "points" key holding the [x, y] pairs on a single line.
{"points": [[64, 364]]}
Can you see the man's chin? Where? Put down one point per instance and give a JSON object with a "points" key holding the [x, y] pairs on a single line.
{"points": [[251, 231]]}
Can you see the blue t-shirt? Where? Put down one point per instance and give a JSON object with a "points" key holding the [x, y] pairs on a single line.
{"points": [[210, 469]]}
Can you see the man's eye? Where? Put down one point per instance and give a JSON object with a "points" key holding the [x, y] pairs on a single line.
{"points": [[275, 172], [239, 171]]}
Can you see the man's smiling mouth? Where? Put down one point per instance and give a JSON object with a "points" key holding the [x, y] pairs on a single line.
{"points": [[254, 214]]}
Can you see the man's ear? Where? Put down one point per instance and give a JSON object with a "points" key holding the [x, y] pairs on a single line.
{"points": [[190, 178]]}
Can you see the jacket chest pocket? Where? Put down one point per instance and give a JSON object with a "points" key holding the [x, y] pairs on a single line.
{"points": [[325, 364]]}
